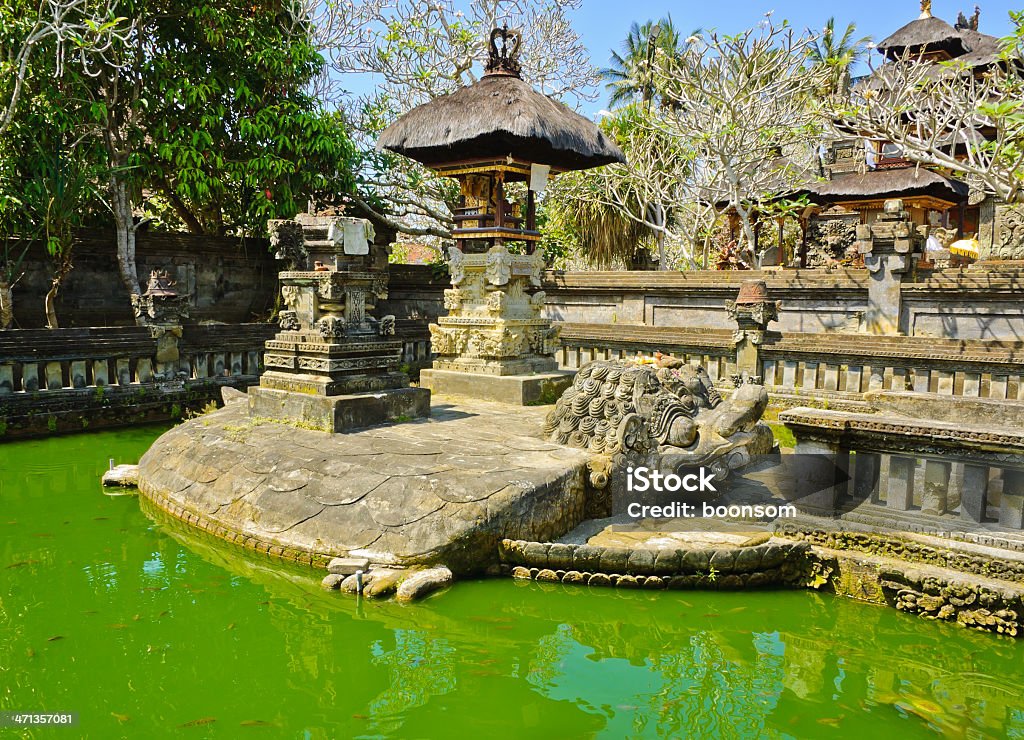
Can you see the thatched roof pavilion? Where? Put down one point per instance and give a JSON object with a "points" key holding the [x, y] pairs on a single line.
{"points": [[925, 33], [877, 185], [497, 131], [499, 116], [931, 36]]}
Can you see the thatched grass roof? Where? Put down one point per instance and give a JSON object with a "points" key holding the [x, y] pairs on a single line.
{"points": [[894, 183], [496, 116], [933, 33], [984, 49]]}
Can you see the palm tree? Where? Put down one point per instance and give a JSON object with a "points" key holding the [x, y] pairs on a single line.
{"points": [[631, 75], [838, 54]]}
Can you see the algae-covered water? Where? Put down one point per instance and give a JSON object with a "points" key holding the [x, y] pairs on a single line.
{"points": [[146, 632]]}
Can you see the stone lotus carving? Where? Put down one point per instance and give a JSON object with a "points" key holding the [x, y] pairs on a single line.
{"points": [[667, 417]]}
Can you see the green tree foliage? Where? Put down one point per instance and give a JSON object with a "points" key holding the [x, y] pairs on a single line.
{"points": [[632, 75], [196, 112], [232, 136], [838, 53], [49, 174]]}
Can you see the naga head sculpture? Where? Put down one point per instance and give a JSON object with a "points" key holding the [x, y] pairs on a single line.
{"points": [[668, 413]]}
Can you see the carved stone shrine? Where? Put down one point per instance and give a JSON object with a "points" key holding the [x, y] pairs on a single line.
{"points": [[494, 325], [333, 366], [501, 140]]}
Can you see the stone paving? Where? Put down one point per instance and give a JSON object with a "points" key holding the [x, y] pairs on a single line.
{"points": [[443, 490]]}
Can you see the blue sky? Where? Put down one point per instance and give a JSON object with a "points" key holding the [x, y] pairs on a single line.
{"points": [[603, 24]]}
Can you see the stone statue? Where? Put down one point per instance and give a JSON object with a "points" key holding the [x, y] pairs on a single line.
{"points": [[666, 415], [287, 240]]}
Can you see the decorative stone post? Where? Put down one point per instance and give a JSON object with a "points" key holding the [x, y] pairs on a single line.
{"points": [[752, 311], [494, 343], [886, 246], [333, 366], [164, 311]]}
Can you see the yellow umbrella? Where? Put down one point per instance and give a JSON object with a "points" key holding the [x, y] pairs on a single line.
{"points": [[965, 248]]}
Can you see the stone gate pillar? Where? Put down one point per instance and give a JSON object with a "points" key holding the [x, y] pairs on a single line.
{"points": [[752, 311], [163, 310], [887, 245]]}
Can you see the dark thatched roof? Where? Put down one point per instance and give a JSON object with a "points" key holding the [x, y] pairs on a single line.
{"points": [[497, 116], [893, 183], [984, 49], [931, 33]]}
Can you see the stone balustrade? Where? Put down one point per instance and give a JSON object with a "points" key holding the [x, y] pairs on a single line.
{"points": [[923, 462], [798, 368], [71, 379], [583, 343]]}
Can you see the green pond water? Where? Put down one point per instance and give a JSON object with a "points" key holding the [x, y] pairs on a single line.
{"points": [[147, 631]]}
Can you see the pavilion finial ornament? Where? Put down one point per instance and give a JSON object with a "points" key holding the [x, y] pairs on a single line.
{"points": [[926, 8], [503, 59]]}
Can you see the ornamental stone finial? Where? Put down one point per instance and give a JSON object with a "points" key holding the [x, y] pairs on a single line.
{"points": [[504, 59]]}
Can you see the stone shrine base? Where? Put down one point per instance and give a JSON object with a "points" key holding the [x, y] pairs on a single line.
{"points": [[518, 390], [338, 413], [441, 490]]}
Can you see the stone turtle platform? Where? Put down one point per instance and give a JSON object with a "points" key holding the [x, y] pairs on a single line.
{"points": [[444, 490]]}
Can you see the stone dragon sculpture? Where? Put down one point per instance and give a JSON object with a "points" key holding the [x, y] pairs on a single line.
{"points": [[665, 416]]}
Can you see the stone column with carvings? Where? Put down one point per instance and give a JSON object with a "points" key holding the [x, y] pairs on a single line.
{"points": [[494, 343], [887, 246], [333, 366], [752, 311], [163, 310]]}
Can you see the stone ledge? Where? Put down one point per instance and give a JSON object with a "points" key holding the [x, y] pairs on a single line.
{"points": [[339, 413], [957, 437], [518, 390]]}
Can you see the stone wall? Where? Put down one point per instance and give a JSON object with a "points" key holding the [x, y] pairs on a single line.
{"points": [[229, 280], [977, 304], [970, 304]]}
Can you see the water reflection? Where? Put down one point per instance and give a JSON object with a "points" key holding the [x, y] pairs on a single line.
{"points": [[160, 627], [740, 665]]}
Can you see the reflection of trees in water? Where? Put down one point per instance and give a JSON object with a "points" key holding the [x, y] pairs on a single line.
{"points": [[708, 685], [419, 667], [851, 663], [707, 692], [549, 656]]}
